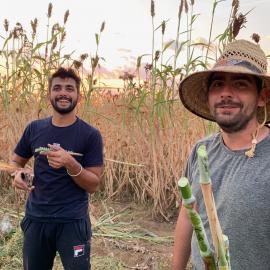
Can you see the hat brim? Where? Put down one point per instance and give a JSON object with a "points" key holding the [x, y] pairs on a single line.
{"points": [[193, 91]]}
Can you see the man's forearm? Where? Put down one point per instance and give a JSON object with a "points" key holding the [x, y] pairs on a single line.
{"points": [[18, 161], [87, 178], [182, 244], [16, 164]]}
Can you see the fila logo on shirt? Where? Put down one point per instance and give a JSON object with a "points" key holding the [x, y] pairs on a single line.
{"points": [[78, 251]]}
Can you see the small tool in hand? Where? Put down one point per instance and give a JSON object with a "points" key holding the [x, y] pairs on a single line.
{"points": [[26, 178]]}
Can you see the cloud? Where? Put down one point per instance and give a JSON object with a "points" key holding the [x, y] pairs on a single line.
{"points": [[115, 73], [117, 34], [126, 58], [105, 73], [133, 58], [122, 50]]}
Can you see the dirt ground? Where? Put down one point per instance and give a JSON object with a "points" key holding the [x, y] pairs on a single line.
{"points": [[125, 236]]}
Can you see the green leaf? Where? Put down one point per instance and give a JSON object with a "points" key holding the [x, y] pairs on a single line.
{"points": [[97, 39], [38, 74], [6, 41], [168, 45]]}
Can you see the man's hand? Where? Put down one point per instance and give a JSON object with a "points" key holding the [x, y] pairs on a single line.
{"points": [[87, 178], [57, 157], [20, 180]]}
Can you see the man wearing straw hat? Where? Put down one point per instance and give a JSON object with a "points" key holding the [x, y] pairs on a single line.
{"points": [[234, 94], [68, 164]]}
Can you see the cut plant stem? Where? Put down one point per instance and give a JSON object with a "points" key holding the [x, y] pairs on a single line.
{"points": [[45, 149], [215, 228], [188, 201]]}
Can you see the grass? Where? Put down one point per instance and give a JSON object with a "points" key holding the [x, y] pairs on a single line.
{"points": [[124, 237], [108, 226], [146, 131]]}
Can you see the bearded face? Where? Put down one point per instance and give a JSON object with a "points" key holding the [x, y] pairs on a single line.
{"points": [[63, 95], [64, 104], [233, 100]]}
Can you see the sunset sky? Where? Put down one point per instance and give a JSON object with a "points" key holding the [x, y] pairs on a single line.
{"points": [[128, 30]]}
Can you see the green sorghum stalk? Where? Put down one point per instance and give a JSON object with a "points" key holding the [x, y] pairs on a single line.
{"points": [[221, 245], [188, 201]]}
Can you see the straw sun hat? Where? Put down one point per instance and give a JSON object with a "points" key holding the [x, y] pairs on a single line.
{"points": [[240, 56]]}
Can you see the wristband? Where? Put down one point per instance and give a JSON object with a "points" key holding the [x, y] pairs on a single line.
{"points": [[77, 174]]}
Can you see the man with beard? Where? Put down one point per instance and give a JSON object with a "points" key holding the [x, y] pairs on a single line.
{"points": [[68, 163], [234, 94]]}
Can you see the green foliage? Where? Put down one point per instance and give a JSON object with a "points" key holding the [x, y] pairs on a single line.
{"points": [[27, 64], [150, 103], [11, 251]]}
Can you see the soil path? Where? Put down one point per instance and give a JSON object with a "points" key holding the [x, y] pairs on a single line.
{"points": [[125, 236]]}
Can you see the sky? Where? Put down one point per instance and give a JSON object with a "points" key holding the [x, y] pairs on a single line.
{"points": [[128, 24]]}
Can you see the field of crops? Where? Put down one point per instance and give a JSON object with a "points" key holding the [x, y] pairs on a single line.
{"points": [[147, 133]]}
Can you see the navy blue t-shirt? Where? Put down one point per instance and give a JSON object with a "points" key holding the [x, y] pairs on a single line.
{"points": [[56, 197]]}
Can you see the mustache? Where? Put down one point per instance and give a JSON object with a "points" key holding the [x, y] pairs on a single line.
{"points": [[63, 98], [229, 103]]}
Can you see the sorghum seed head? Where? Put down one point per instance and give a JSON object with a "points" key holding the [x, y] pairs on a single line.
{"points": [[256, 37], [6, 24], [152, 8], [50, 7], [54, 44], [77, 64], [102, 26], [34, 26], [163, 27], [148, 67], [55, 27], [181, 7], [94, 61], [235, 3], [83, 56], [139, 60], [186, 6], [67, 56], [66, 16], [238, 23], [157, 54], [63, 36]]}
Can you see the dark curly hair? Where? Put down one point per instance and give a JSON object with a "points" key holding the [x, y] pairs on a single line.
{"points": [[65, 73]]}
